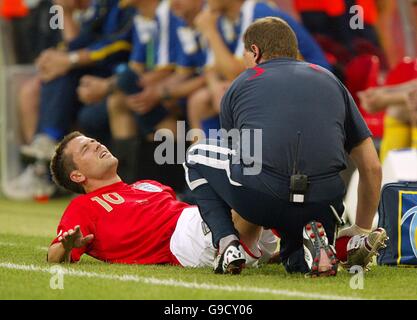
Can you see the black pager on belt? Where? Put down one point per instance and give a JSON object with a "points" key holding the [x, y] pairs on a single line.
{"points": [[298, 181], [298, 187]]}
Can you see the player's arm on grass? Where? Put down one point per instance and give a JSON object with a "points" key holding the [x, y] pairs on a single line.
{"points": [[366, 159], [61, 252]]}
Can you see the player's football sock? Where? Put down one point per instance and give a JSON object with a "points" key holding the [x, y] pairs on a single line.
{"points": [[127, 152], [252, 254], [253, 250], [225, 241], [341, 248], [319, 255]]}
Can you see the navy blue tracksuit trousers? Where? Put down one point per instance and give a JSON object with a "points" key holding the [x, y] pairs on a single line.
{"points": [[219, 186]]}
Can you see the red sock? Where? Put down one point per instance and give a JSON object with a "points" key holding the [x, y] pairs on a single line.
{"points": [[341, 248]]}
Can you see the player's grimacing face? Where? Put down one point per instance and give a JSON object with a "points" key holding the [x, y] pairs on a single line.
{"points": [[92, 159]]}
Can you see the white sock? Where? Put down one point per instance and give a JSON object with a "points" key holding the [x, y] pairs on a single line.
{"points": [[224, 242]]}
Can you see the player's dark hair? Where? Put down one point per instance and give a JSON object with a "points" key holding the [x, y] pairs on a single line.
{"points": [[274, 38], [62, 164]]}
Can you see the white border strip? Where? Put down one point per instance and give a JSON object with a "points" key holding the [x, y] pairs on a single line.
{"points": [[178, 284]]}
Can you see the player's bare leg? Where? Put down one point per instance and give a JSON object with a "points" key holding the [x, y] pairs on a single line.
{"points": [[249, 233], [122, 122], [29, 96], [217, 88], [124, 130]]}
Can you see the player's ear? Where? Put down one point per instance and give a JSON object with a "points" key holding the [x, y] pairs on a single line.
{"points": [[77, 177]]}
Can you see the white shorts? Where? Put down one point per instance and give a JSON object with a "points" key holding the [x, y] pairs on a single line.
{"points": [[191, 242]]}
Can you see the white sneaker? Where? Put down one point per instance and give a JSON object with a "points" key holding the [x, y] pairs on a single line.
{"points": [[41, 148], [29, 185]]}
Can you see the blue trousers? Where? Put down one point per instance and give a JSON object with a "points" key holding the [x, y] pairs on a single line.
{"points": [[59, 104]]}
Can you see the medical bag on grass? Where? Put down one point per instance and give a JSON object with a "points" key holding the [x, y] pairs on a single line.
{"points": [[398, 216]]}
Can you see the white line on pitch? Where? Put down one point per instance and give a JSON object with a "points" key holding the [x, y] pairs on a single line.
{"points": [[11, 244], [179, 284]]}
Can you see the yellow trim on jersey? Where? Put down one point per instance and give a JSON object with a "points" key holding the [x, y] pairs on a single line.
{"points": [[106, 51]]}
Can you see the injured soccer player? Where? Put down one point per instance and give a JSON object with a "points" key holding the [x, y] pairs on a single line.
{"points": [[141, 223]]}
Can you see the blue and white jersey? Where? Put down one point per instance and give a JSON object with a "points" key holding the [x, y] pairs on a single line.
{"points": [[106, 33], [167, 41], [252, 10], [144, 41], [229, 32], [155, 40], [191, 49]]}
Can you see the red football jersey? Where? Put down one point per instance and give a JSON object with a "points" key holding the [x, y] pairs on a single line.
{"points": [[130, 223]]}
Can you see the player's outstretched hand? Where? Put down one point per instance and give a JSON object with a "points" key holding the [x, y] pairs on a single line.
{"points": [[74, 239]]}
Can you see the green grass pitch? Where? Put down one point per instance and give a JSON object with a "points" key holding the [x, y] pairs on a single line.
{"points": [[26, 229]]}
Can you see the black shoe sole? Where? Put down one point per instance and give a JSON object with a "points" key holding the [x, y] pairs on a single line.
{"points": [[317, 236]]}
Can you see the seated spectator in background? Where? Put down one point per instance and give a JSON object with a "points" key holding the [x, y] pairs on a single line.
{"points": [[161, 103], [102, 43], [400, 122], [132, 107], [147, 225], [76, 16], [222, 25]]}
